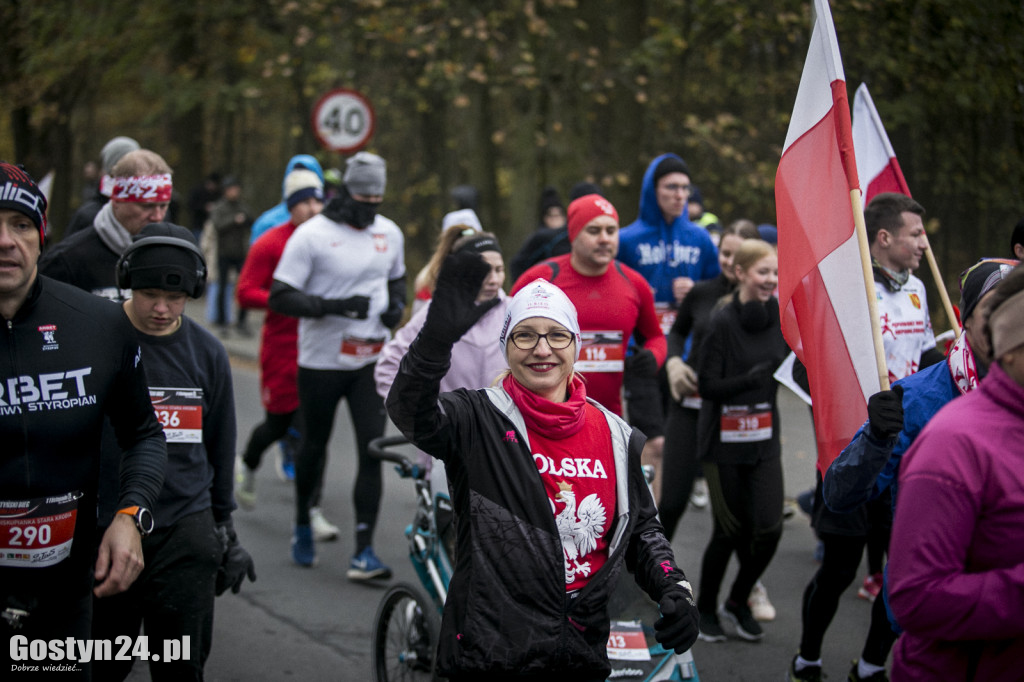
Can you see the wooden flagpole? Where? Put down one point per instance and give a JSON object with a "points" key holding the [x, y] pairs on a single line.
{"points": [[940, 285], [869, 286]]}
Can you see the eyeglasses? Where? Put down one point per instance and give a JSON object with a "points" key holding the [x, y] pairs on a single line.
{"points": [[676, 188], [557, 339]]}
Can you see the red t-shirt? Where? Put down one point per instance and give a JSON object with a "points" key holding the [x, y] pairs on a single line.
{"points": [[609, 308], [581, 490]]}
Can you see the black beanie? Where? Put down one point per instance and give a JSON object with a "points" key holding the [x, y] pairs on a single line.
{"points": [[979, 279], [582, 189], [670, 164], [19, 192], [165, 266], [549, 199]]}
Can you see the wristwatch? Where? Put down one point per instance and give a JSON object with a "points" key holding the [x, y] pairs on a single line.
{"points": [[143, 518]]}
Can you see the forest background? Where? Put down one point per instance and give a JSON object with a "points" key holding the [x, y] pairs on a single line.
{"points": [[511, 96]]}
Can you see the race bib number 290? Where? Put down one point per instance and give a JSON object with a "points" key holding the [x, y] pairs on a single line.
{"points": [[37, 532]]}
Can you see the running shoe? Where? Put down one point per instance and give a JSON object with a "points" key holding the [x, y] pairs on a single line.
{"points": [[741, 617], [303, 549], [367, 566], [245, 485], [699, 497], [811, 673], [323, 530], [710, 628], [854, 675], [762, 609], [284, 459], [871, 587]]}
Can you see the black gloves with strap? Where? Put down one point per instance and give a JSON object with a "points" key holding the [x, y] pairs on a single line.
{"points": [[236, 563], [453, 308], [677, 629], [885, 413]]}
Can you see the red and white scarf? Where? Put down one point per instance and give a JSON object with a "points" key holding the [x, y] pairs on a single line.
{"points": [[962, 367]]}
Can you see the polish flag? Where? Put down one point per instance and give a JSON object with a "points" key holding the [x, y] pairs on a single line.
{"points": [[824, 308], [876, 160]]}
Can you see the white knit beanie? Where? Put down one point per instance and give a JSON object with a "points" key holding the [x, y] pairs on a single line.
{"points": [[540, 298], [302, 184]]}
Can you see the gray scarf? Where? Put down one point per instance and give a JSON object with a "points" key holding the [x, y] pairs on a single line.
{"points": [[110, 231]]}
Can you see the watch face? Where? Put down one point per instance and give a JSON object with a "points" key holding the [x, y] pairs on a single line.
{"points": [[144, 520]]}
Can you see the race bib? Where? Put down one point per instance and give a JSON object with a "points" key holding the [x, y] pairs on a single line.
{"points": [[180, 412], [356, 347], [746, 423], [601, 352], [626, 642], [666, 316], [37, 533]]}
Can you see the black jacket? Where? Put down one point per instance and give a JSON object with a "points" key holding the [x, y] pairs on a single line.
{"points": [[507, 611], [735, 367], [69, 358]]}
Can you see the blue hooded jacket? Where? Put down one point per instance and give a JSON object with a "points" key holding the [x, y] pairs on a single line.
{"points": [[661, 251], [279, 214]]}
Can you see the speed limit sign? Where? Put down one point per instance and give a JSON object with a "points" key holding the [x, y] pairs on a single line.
{"points": [[343, 121]]}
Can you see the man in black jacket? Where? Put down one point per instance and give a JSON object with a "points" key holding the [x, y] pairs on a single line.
{"points": [[67, 358]]}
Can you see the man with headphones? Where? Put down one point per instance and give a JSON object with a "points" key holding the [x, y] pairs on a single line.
{"points": [[192, 553]]}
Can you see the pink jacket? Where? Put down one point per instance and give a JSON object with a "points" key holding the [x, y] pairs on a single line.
{"points": [[476, 358], [956, 564]]}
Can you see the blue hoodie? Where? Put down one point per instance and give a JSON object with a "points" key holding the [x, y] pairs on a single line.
{"points": [[661, 251], [279, 214]]}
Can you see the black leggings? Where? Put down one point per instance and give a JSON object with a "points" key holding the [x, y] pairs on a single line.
{"points": [[320, 391], [680, 465], [839, 567], [746, 504], [273, 428]]}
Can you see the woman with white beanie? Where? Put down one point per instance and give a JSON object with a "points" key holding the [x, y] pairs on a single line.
{"points": [[550, 500]]}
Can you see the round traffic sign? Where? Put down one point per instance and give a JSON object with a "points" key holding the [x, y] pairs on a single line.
{"points": [[343, 121]]}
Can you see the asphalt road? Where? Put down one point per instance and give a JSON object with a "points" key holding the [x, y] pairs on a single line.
{"points": [[313, 624]]}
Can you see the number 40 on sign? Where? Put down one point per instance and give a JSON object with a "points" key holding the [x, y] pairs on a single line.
{"points": [[343, 121]]}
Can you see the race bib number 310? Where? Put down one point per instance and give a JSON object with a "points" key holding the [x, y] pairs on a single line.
{"points": [[746, 423], [37, 532]]}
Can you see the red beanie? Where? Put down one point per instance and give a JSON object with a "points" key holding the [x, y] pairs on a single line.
{"points": [[585, 209]]}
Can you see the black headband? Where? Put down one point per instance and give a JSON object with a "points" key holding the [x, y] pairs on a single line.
{"points": [[478, 244]]}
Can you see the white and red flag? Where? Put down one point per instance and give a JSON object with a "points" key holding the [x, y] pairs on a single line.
{"points": [[822, 289], [877, 166]]}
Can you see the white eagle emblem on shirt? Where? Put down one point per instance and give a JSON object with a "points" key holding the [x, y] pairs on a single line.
{"points": [[579, 528]]}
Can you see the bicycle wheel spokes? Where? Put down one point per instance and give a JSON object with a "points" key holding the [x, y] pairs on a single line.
{"points": [[405, 635]]}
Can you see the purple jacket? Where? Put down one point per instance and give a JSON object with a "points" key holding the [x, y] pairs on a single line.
{"points": [[476, 358], [956, 565]]}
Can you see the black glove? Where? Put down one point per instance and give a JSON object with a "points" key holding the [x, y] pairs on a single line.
{"points": [[392, 316], [236, 562], [762, 373], [453, 309], [677, 628], [885, 413], [355, 307], [642, 363]]}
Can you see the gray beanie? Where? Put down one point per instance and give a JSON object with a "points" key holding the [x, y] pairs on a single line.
{"points": [[113, 151], [366, 174]]}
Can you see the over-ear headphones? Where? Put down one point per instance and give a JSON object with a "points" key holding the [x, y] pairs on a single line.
{"points": [[124, 264]]}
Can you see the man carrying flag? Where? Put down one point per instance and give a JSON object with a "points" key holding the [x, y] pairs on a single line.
{"points": [[825, 290]]}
